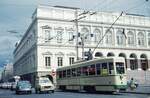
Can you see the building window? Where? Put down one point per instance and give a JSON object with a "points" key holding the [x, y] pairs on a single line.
{"points": [[130, 38], [120, 38], [47, 61], [144, 62], [86, 35], [140, 39], [60, 61], [47, 35], [71, 60], [70, 36], [59, 36], [148, 39], [109, 37], [97, 36], [133, 62]]}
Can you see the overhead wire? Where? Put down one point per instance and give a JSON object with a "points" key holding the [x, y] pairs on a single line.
{"points": [[131, 8], [86, 12], [98, 4], [107, 32], [112, 26]]}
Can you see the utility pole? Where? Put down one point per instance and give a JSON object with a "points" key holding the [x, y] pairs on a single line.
{"points": [[77, 31], [76, 20]]}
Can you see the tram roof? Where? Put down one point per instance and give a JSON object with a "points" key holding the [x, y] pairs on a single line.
{"points": [[83, 63]]}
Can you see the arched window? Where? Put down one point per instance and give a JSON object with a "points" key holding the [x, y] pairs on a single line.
{"points": [[110, 54], [133, 62], [108, 39], [148, 39], [98, 35], [86, 34], [120, 38], [130, 38], [144, 62], [141, 39], [124, 56], [98, 54]]}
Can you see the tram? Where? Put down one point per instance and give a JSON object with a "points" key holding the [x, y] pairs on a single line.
{"points": [[106, 74]]}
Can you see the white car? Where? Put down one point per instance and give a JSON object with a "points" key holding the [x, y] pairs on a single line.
{"points": [[43, 84]]}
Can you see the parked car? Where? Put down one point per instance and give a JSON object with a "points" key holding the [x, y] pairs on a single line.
{"points": [[23, 87], [43, 84], [13, 85]]}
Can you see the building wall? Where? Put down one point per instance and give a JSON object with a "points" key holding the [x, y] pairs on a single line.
{"points": [[52, 34], [7, 72]]}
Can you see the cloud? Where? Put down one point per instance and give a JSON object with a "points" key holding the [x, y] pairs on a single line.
{"points": [[16, 15]]}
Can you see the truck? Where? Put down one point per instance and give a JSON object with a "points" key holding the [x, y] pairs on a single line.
{"points": [[44, 84]]}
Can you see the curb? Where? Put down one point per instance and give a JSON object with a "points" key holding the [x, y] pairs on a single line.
{"points": [[136, 92]]}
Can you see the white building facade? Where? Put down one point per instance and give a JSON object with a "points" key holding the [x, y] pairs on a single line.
{"points": [[50, 41]]}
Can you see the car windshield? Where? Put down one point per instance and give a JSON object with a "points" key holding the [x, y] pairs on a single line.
{"points": [[24, 84], [44, 80]]}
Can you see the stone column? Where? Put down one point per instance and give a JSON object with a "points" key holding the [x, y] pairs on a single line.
{"points": [[148, 62], [139, 64], [128, 64]]}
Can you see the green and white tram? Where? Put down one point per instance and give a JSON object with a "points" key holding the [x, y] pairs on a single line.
{"points": [[103, 74]]}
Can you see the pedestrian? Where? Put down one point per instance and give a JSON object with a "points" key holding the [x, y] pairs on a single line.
{"points": [[132, 84], [90, 56]]}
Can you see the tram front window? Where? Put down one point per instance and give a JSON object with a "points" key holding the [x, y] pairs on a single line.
{"points": [[120, 68]]}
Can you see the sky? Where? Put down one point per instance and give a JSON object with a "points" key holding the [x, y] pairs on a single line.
{"points": [[15, 15]]}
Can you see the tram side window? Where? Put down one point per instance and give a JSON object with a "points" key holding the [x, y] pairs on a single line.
{"points": [[74, 72], [120, 68], [98, 69], [85, 71], [68, 73], [78, 71], [111, 68], [64, 74], [92, 70], [104, 69], [60, 74]]}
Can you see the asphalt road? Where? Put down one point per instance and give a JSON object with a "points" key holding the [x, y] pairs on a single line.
{"points": [[11, 94]]}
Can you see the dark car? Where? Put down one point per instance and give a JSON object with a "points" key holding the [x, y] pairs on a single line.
{"points": [[23, 87]]}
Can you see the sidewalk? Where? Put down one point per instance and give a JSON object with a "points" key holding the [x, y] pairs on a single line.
{"points": [[142, 89]]}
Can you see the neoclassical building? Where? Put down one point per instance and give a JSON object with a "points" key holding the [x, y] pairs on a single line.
{"points": [[51, 39]]}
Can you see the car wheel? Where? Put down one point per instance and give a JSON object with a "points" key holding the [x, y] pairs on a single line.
{"points": [[17, 92], [36, 91], [30, 92], [53, 91]]}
